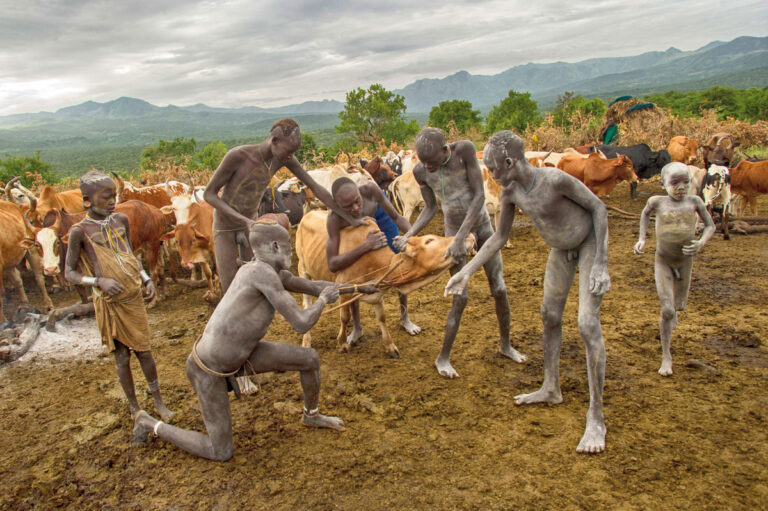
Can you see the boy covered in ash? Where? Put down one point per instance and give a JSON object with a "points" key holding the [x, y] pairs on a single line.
{"points": [[100, 255], [232, 344], [676, 217]]}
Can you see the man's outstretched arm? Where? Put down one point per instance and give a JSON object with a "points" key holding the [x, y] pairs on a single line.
{"points": [[270, 285]]}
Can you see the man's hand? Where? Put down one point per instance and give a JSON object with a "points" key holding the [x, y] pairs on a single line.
{"points": [[330, 293], [692, 248], [109, 286], [400, 242], [457, 284], [639, 247], [457, 251], [149, 291], [599, 280], [375, 240], [358, 222]]}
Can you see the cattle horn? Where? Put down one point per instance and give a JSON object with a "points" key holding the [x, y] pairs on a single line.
{"points": [[120, 185], [30, 227], [25, 191], [8, 195]]}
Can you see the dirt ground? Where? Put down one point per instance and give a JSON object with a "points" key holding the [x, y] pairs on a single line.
{"points": [[415, 440]]}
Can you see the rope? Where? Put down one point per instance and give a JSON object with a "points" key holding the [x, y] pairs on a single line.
{"points": [[207, 369]]}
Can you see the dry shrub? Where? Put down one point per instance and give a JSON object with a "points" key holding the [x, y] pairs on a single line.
{"points": [[166, 171], [583, 129]]}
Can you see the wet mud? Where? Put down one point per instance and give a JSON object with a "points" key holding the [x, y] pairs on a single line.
{"points": [[415, 440]]}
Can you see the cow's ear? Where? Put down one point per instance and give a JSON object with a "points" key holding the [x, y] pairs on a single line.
{"points": [[199, 235], [167, 209], [168, 235], [27, 243]]}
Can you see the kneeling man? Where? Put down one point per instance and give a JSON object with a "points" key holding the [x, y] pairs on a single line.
{"points": [[232, 345], [574, 223]]}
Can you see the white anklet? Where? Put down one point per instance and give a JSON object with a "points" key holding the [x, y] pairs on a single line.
{"points": [[311, 412], [157, 425]]}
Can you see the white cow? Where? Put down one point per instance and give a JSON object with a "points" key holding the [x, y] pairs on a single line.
{"points": [[716, 189]]}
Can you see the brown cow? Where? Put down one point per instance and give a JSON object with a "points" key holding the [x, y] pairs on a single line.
{"points": [[600, 176], [156, 195], [749, 179], [70, 201], [381, 173], [194, 241], [421, 263], [15, 242], [718, 150], [682, 149]]}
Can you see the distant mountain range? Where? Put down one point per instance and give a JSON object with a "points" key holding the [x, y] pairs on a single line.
{"points": [[130, 122]]}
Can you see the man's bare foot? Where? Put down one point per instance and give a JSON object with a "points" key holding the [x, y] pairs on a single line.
{"points": [[165, 413], [540, 396], [593, 440], [318, 420], [410, 327], [510, 352], [246, 386], [666, 367], [143, 424], [444, 368]]}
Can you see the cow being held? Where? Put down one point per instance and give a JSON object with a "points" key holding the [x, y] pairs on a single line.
{"points": [[422, 261]]}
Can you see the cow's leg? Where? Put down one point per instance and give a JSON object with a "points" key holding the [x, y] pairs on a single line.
{"points": [[558, 278], [593, 440], [35, 264], [211, 293], [342, 341], [633, 189], [306, 339], [386, 338], [726, 208], [665, 287], [357, 328], [15, 278], [405, 321]]}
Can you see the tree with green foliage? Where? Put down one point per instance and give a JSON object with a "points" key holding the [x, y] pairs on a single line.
{"points": [[376, 114], [515, 112], [741, 104], [26, 168], [342, 145], [177, 152], [459, 111], [210, 157], [568, 105], [307, 149]]}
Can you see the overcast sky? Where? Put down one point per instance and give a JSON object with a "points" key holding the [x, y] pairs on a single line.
{"points": [[234, 53]]}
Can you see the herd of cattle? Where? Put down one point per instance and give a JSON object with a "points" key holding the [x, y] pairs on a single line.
{"points": [[171, 221]]}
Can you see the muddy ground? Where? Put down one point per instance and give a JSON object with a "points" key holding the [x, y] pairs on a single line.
{"points": [[698, 439]]}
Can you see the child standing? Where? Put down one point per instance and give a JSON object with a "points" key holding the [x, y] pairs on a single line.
{"points": [[676, 218], [100, 255]]}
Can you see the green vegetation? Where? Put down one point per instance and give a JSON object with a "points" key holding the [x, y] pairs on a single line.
{"points": [[515, 112], [741, 104], [375, 115], [568, 106], [458, 111], [30, 169]]}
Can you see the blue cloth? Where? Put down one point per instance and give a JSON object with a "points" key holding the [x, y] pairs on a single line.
{"points": [[387, 226]]}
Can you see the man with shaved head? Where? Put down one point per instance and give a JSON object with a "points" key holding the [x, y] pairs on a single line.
{"points": [[232, 344], [574, 223], [359, 202], [452, 173], [241, 178]]}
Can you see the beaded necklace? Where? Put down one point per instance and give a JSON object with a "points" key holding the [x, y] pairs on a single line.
{"points": [[111, 235]]}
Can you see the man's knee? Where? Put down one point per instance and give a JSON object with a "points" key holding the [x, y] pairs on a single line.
{"points": [[667, 312], [589, 326], [551, 317], [144, 356], [122, 356], [223, 453], [313, 359]]}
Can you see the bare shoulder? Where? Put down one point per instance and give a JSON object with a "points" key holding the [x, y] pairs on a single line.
{"points": [[695, 200], [121, 218], [261, 275], [420, 174], [465, 149], [369, 190]]}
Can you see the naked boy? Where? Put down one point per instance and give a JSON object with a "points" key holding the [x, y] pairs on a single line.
{"points": [[574, 222], [100, 255], [452, 173], [360, 202], [232, 344], [676, 218], [242, 177]]}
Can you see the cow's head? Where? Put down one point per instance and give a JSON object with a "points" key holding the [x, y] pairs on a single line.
{"points": [[179, 210], [423, 260], [625, 170], [193, 245], [290, 200]]}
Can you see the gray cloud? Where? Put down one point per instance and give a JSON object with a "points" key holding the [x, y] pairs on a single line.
{"points": [[233, 53]]}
